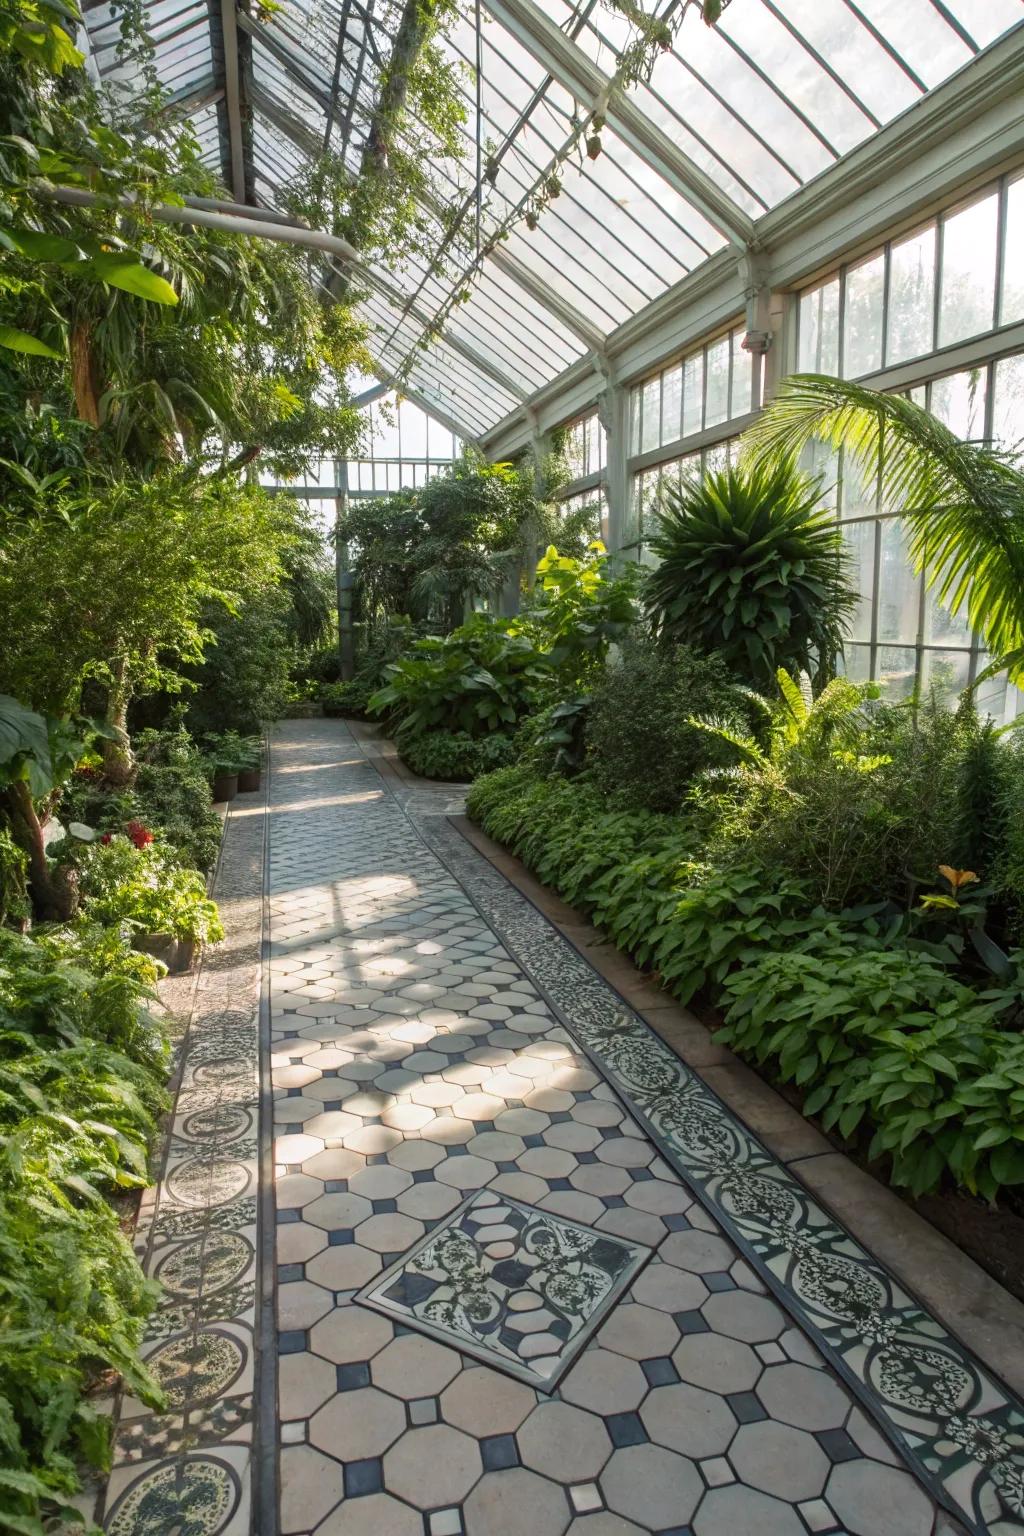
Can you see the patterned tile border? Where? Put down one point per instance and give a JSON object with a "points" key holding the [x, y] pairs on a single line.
{"points": [[488, 1277], [189, 1467], [958, 1428]]}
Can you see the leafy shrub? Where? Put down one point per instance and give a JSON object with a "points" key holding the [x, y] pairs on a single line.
{"points": [[751, 567], [81, 1066], [873, 1028], [148, 890], [243, 679], [482, 677], [579, 609], [642, 750], [456, 756], [349, 700], [892, 1039], [170, 795]]}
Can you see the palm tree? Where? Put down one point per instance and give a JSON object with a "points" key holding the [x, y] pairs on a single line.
{"points": [[964, 503]]}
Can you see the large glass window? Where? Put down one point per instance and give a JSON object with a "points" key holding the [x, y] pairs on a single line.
{"points": [[713, 384], [924, 291]]}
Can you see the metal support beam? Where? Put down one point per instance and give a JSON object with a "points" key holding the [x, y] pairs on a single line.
{"points": [[567, 63], [274, 43], [233, 97]]}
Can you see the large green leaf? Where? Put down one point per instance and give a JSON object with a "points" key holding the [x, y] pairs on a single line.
{"points": [[43, 247], [125, 272], [24, 746], [21, 341]]}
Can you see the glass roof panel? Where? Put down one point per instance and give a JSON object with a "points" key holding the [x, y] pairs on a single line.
{"points": [[770, 97]]}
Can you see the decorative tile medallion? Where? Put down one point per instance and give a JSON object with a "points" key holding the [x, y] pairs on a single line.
{"points": [[956, 1425], [517, 1287]]}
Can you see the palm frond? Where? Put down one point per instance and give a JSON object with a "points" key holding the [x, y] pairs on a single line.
{"points": [[963, 503]]}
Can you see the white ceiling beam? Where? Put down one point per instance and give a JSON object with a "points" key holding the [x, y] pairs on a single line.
{"points": [[567, 63]]}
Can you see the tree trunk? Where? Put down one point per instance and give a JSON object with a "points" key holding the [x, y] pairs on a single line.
{"points": [[83, 374], [119, 767], [54, 891]]}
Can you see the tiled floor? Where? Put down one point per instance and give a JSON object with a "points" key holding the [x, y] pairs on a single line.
{"points": [[415, 1062], [531, 1277]]}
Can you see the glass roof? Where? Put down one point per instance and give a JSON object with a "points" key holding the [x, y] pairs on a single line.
{"points": [[754, 107]]}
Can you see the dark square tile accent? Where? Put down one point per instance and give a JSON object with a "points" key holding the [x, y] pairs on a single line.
{"points": [[678, 1530], [332, 1104], [719, 1281], [291, 1214], [507, 1167], [292, 1341], [459, 1151], [375, 1159], [559, 1116], [363, 1477], [625, 1429], [336, 1186], [660, 1371], [640, 1175], [286, 1272], [676, 1222], [293, 1128], [339, 1238], [499, 1452], [384, 1207], [613, 1202], [837, 1444], [423, 1175], [534, 1141], [559, 1184], [292, 1093], [747, 1407], [609, 1132], [587, 1157], [352, 1376], [690, 1322]]}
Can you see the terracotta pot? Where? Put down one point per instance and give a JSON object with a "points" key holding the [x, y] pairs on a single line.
{"points": [[162, 946], [225, 786], [188, 950], [249, 780]]}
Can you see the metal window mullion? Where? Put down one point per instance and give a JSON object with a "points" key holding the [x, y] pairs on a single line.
{"points": [[840, 322], [1001, 218], [876, 593], [940, 236], [886, 298]]}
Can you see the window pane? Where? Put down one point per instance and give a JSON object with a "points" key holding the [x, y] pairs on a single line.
{"points": [[650, 434], [959, 401], [819, 330], [995, 697], [716, 405], [896, 669], [823, 463], [742, 377], [693, 394], [858, 491], [899, 587], [968, 271], [1008, 415], [1012, 306], [672, 404], [634, 421], [944, 673], [716, 459], [855, 662], [941, 625], [862, 322], [860, 543], [413, 426], [911, 297]]}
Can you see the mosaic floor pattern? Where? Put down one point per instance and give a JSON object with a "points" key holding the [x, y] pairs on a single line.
{"points": [[189, 1470], [420, 1056], [522, 1289]]}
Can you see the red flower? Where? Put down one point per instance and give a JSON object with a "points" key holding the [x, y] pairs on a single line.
{"points": [[105, 839], [141, 836]]}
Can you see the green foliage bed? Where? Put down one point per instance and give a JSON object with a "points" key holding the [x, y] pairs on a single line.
{"points": [[871, 1014]]}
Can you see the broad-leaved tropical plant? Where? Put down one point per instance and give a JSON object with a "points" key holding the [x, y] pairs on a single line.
{"points": [[963, 502]]}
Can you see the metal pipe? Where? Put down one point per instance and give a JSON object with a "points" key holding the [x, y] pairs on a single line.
{"points": [[243, 210], [235, 223]]}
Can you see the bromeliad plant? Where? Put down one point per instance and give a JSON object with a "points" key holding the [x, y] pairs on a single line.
{"points": [[751, 567]]}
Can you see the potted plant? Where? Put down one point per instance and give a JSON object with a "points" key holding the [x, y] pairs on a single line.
{"points": [[250, 760], [223, 778], [162, 903]]}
